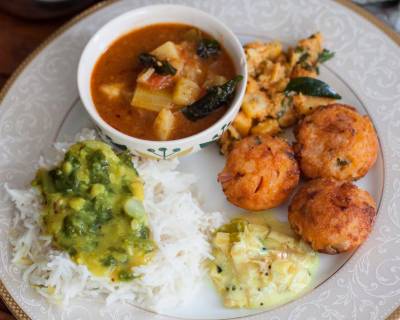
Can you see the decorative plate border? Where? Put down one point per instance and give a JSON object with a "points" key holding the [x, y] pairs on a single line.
{"points": [[9, 301]]}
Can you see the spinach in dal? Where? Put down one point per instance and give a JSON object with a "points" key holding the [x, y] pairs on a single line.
{"points": [[93, 209]]}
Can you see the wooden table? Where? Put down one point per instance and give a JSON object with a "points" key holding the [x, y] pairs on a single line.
{"points": [[18, 38]]}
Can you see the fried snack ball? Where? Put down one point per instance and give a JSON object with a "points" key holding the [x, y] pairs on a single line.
{"points": [[333, 216], [260, 173], [336, 142]]}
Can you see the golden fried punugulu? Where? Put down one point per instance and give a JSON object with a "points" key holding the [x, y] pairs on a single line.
{"points": [[336, 142], [333, 216], [260, 173]]}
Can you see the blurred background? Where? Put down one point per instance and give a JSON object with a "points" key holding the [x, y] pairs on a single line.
{"points": [[25, 24], [388, 11]]}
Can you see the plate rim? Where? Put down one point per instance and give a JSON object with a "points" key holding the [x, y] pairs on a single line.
{"points": [[5, 295]]}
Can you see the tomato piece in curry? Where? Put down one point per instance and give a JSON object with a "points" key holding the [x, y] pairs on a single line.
{"points": [[145, 102]]}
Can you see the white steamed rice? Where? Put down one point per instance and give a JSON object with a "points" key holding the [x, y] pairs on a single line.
{"points": [[179, 226]]}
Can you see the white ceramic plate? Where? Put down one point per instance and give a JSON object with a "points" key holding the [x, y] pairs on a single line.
{"points": [[42, 106]]}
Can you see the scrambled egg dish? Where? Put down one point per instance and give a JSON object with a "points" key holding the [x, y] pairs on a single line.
{"points": [[260, 264]]}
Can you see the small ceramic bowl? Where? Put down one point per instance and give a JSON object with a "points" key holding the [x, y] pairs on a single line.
{"points": [[145, 16]]}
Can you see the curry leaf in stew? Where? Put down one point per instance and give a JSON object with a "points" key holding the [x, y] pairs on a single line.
{"points": [[214, 98], [161, 67], [207, 48]]}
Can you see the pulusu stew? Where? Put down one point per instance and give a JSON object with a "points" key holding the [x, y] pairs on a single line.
{"points": [[163, 82]]}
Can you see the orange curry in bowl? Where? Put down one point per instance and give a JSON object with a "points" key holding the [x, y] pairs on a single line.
{"points": [[163, 82]]}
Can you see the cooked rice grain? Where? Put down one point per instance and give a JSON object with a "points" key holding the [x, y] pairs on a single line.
{"points": [[179, 226]]}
